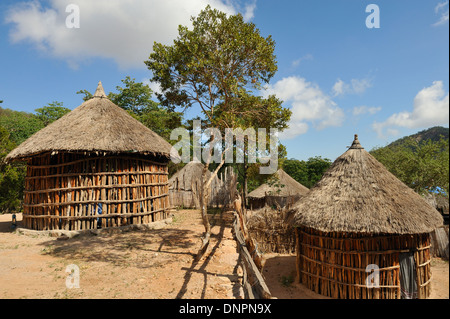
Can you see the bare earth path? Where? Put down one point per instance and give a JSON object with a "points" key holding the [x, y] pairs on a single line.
{"points": [[138, 264]]}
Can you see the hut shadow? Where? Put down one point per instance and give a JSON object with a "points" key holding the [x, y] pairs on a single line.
{"points": [[280, 274], [142, 249]]}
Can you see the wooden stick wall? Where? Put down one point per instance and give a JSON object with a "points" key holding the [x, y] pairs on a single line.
{"points": [[76, 192], [334, 264]]}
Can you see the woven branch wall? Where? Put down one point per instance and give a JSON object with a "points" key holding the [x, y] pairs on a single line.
{"points": [[75, 191], [334, 264]]}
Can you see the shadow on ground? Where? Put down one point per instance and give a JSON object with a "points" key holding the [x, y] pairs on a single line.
{"points": [[118, 249]]}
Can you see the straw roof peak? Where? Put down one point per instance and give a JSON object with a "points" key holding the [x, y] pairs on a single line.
{"points": [[100, 92], [356, 144]]}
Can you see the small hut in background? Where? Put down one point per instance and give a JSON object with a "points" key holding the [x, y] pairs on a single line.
{"points": [[185, 187], [94, 167], [280, 191], [439, 237], [357, 218], [441, 203]]}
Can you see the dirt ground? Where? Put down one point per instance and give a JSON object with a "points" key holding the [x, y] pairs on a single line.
{"points": [[152, 264]]}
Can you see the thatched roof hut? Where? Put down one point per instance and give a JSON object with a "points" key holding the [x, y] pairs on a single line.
{"points": [[281, 190], [359, 215], [96, 165], [185, 186]]}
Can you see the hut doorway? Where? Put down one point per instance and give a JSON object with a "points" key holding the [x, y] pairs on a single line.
{"points": [[408, 275]]}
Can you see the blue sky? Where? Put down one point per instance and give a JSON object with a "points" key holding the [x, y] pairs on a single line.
{"points": [[338, 76]]}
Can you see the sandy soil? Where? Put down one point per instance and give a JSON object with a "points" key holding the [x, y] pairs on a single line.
{"points": [[156, 264], [138, 264]]}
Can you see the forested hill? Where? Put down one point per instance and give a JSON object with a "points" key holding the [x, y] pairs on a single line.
{"points": [[420, 160], [434, 134]]}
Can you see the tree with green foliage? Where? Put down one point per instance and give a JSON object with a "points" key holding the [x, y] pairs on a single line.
{"points": [[216, 66], [51, 112], [309, 172], [20, 125], [12, 177], [297, 170], [16, 127], [422, 165]]}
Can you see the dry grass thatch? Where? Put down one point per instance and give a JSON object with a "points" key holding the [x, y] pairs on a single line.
{"points": [[283, 186], [358, 194], [185, 186], [96, 125], [185, 178], [272, 230]]}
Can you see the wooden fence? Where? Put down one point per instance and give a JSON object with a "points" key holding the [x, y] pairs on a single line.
{"points": [[75, 191], [253, 282]]}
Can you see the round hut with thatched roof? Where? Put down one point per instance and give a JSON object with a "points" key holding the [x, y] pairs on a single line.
{"points": [[281, 190], [185, 186], [362, 233], [94, 167]]}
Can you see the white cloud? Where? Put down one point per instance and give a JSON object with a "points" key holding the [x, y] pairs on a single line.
{"points": [[306, 57], [154, 86], [123, 31], [355, 86], [442, 8], [309, 105], [360, 110], [249, 12], [430, 108]]}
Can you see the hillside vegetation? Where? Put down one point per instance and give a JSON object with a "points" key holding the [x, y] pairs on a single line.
{"points": [[420, 160]]}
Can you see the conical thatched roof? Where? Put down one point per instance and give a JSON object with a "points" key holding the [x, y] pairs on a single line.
{"points": [[187, 176], [96, 125], [358, 194], [284, 186]]}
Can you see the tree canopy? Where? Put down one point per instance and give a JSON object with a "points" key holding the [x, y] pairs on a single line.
{"points": [[309, 172], [217, 66]]}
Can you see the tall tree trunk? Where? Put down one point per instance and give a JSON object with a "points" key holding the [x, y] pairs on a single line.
{"points": [[204, 213], [245, 186]]}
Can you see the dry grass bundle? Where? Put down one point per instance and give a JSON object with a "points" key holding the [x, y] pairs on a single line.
{"points": [[271, 229]]}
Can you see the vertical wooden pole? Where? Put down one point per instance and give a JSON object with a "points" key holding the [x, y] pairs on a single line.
{"points": [[419, 290]]}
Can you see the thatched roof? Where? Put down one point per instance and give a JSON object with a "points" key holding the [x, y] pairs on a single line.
{"points": [[283, 186], [358, 194], [187, 176], [439, 201], [96, 125]]}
